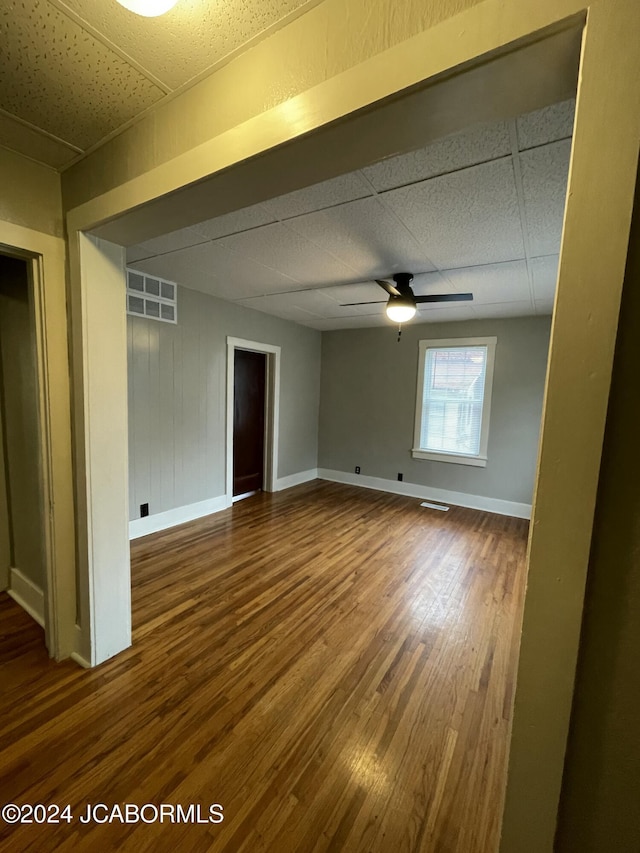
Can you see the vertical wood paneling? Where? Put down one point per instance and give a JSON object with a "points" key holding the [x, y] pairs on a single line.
{"points": [[177, 399], [141, 414]]}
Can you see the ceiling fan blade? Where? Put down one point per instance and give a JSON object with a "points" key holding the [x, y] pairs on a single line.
{"points": [[445, 297], [391, 289], [351, 304]]}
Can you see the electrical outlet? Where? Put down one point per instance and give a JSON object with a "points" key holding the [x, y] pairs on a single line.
{"points": [[144, 510], [357, 469], [400, 476]]}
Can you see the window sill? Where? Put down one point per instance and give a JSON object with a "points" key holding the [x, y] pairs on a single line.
{"points": [[459, 458]]}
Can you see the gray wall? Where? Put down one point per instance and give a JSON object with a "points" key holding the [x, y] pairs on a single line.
{"points": [[368, 394], [19, 412], [177, 388]]}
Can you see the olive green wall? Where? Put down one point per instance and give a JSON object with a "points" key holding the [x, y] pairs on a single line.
{"points": [[601, 789]]}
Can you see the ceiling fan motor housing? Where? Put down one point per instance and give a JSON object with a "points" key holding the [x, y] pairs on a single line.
{"points": [[403, 282]]}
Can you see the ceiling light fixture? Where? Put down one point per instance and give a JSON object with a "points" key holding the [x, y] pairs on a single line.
{"points": [[148, 8], [400, 308]]}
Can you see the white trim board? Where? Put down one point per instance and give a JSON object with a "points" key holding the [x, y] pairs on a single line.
{"points": [[414, 490], [296, 479], [172, 517], [25, 593]]}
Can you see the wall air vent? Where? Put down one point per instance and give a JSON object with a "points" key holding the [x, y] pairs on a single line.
{"points": [[151, 297]]}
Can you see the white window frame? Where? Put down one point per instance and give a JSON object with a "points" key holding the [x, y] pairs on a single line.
{"points": [[479, 459]]}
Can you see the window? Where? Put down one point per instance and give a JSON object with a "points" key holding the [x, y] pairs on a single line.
{"points": [[454, 400]]}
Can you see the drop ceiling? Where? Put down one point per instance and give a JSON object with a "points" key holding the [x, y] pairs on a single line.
{"points": [[480, 211], [75, 72]]}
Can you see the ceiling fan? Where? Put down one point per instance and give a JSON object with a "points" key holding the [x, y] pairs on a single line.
{"points": [[401, 305]]}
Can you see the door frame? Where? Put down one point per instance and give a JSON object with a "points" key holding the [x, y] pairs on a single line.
{"points": [[271, 414], [44, 256]]}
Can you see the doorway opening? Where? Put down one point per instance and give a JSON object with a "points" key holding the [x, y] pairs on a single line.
{"points": [[23, 556], [249, 395], [253, 389]]}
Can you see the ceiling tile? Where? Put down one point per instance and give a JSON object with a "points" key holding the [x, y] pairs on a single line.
{"points": [[544, 306], [545, 274], [477, 145], [57, 76], [188, 39], [167, 243], [507, 309], [425, 284], [211, 268], [313, 302], [233, 223], [362, 322], [357, 292], [279, 248], [508, 282], [544, 181], [466, 218], [445, 314], [326, 194], [546, 125], [365, 236], [38, 146]]}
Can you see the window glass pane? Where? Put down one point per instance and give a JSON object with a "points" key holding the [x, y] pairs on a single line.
{"points": [[452, 400], [167, 312], [152, 309]]}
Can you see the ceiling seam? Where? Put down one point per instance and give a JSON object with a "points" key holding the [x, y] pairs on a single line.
{"points": [[112, 46], [41, 131], [524, 225]]}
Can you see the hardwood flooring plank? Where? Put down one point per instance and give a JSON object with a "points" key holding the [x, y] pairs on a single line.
{"points": [[335, 666]]}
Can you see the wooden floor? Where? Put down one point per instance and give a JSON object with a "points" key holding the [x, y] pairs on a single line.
{"points": [[334, 666]]}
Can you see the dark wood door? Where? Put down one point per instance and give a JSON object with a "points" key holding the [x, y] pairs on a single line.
{"points": [[248, 421]]}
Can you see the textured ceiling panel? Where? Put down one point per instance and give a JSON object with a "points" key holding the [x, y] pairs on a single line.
{"points": [[544, 306], [190, 38], [493, 283], [446, 313], [507, 309], [326, 194], [25, 140], [366, 237], [212, 269], [545, 273], [363, 322], [359, 292], [232, 223], [466, 218], [546, 125], [544, 181], [314, 302], [486, 142], [168, 243], [282, 249], [57, 76]]}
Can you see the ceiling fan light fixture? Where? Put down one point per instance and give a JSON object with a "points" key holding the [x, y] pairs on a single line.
{"points": [[148, 8], [400, 309]]}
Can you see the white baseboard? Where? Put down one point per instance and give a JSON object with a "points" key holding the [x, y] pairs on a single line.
{"points": [[296, 479], [172, 517], [25, 593], [413, 490]]}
